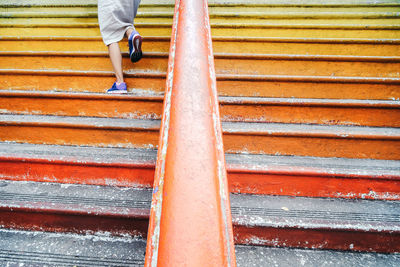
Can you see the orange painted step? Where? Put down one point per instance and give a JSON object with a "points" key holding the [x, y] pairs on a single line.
{"points": [[327, 87], [242, 64], [228, 85], [78, 104], [311, 111], [79, 81], [312, 140], [249, 174], [86, 61], [331, 112], [83, 131], [255, 138]]}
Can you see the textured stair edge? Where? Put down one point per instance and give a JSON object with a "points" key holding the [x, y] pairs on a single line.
{"points": [[254, 256], [91, 200], [61, 249], [79, 122], [316, 213], [143, 96]]}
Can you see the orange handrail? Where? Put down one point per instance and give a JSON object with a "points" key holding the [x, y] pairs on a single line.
{"points": [[190, 218]]}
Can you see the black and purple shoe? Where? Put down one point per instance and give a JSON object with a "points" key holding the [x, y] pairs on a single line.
{"points": [[118, 89], [135, 46]]}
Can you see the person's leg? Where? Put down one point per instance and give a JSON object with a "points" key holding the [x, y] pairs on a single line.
{"points": [[116, 60], [119, 87]]}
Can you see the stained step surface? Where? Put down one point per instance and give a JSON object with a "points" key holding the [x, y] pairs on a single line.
{"points": [[19, 248], [359, 225]]}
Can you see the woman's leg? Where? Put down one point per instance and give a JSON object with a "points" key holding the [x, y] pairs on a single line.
{"points": [[116, 60]]}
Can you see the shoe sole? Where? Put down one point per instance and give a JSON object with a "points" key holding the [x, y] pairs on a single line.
{"points": [[118, 92], [137, 46]]}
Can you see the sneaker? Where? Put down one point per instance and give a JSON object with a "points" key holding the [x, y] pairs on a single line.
{"points": [[117, 89], [135, 46]]}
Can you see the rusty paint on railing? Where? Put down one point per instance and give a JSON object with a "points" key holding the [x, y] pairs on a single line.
{"points": [[190, 220]]}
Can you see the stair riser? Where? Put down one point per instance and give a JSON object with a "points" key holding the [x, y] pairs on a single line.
{"points": [[79, 46], [229, 112], [318, 239], [312, 146], [297, 184], [36, 220], [303, 185], [219, 46], [89, 63], [222, 66], [226, 87], [116, 108], [306, 68], [311, 115], [80, 136], [81, 83], [141, 175], [315, 89]]}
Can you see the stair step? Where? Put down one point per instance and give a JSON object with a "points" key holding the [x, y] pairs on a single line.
{"points": [[281, 86], [239, 137], [311, 111], [84, 131], [18, 248], [81, 104], [312, 140], [74, 208], [314, 176], [359, 225], [131, 167], [254, 256], [258, 45], [250, 109], [81, 61], [228, 64], [252, 174], [83, 81], [21, 247]]}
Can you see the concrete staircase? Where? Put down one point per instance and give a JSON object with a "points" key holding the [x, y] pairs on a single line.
{"points": [[309, 99]]}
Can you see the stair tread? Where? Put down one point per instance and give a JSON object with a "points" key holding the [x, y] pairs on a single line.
{"points": [[306, 129], [76, 198], [306, 101], [315, 213], [247, 210], [286, 257], [82, 121], [242, 162], [61, 249]]}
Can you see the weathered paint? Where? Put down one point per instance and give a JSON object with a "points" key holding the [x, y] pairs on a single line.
{"points": [[318, 238], [193, 224]]}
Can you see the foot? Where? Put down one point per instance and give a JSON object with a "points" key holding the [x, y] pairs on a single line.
{"points": [[135, 46], [117, 89]]}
